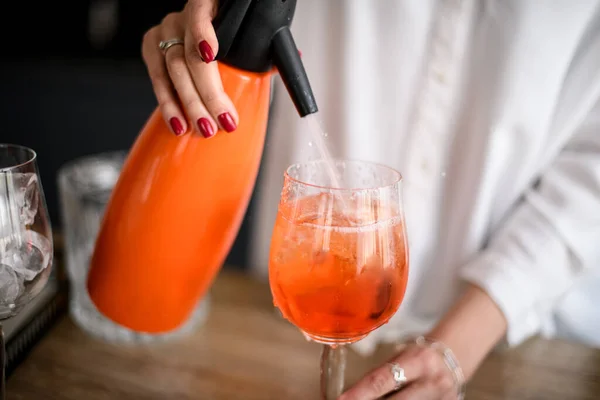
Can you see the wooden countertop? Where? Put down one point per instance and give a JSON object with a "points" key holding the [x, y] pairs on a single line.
{"points": [[246, 351]]}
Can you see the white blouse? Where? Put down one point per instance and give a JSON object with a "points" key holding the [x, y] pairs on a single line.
{"points": [[491, 111]]}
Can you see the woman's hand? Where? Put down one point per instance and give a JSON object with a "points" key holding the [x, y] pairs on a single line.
{"points": [[471, 329], [185, 79], [427, 378]]}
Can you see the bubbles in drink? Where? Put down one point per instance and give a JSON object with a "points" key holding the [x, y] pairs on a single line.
{"points": [[348, 273]]}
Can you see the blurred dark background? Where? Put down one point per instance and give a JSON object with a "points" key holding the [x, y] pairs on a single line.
{"points": [[73, 82]]}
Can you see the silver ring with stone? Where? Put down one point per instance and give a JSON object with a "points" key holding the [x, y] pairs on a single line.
{"points": [[165, 45], [398, 375]]}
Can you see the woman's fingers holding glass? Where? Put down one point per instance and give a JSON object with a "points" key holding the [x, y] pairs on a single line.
{"points": [[161, 82], [383, 380], [424, 390], [418, 371], [433, 388]]}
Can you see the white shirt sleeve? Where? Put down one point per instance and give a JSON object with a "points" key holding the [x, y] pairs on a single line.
{"points": [[548, 240]]}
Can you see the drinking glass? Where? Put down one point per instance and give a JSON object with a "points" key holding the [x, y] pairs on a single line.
{"points": [[85, 185], [338, 265], [26, 247]]}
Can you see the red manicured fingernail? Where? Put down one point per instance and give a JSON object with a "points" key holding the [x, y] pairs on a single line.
{"points": [[206, 51], [300, 52], [227, 122], [206, 128], [176, 126]]}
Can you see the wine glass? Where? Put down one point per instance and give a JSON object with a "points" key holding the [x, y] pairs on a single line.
{"points": [[338, 264], [26, 248]]}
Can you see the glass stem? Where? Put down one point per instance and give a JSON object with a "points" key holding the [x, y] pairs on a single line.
{"points": [[2, 364], [333, 367]]}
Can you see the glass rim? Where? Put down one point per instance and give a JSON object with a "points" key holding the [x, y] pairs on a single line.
{"points": [[31, 159], [396, 179], [75, 163]]}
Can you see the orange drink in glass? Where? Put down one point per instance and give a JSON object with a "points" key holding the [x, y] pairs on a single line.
{"points": [[338, 264]]}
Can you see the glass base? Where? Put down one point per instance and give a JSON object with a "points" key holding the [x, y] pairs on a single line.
{"points": [[333, 342], [86, 317]]}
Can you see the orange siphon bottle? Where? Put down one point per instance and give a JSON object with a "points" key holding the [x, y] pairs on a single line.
{"points": [[179, 201]]}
